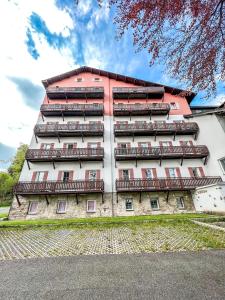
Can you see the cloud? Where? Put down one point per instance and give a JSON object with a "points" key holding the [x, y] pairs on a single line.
{"points": [[31, 45], [32, 94], [6, 155]]}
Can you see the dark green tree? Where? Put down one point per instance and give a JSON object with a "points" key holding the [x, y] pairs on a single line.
{"points": [[17, 163]]}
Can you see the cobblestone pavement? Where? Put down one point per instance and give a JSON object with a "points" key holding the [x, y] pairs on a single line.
{"points": [[44, 242]]}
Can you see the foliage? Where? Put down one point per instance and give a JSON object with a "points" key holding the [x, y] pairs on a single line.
{"points": [[186, 36], [6, 185], [17, 163]]}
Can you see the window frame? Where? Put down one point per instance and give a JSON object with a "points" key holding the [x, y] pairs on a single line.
{"points": [[63, 179], [129, 201], [174, 106], [94, 209], [157, 202], [29, 212], [182, 202], [57, 210], [37, 179], [175, 174]]}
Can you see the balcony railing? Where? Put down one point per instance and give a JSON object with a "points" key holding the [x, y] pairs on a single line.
{"points": [[141, 153], [59, 187], [65, 154], [54, 130], [138, 92], [141, 109], [164, 184], [155, 129], [75, 92], [72, 109]]}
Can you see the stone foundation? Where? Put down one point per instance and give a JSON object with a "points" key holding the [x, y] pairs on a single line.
{"points": [[110, 205]]}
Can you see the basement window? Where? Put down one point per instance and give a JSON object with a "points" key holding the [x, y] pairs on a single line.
{"points": [[129, 204], [32, 210], [154, 202], [61, 207], [180, 202], [91, 206]]}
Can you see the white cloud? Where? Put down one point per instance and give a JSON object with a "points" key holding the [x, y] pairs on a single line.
{"points": [[17, 120], [84, 7], [100, 14]]}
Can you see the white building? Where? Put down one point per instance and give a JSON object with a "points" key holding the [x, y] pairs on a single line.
{"points": [[111, 145]]}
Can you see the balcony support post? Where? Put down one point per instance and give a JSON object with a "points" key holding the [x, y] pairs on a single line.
{"points": [[82, 138], [167, 196], [206, 160], [17, 199], [160, 161], [84, 115], [136, 163], [46, 198], [168, 116], [130, 115], [155, 135], [174, 137], [117, 200], [62, 116], [182, 159], [195, 136], [103, 163], [140, 199], [58, 137], [28, 164], [53, 163], [133, 137], [42, 117], [77, 199], [102, 198], [80, 164], [150, 115], [36, 138]]}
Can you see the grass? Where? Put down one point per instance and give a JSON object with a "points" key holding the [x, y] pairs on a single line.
{"points": [[5, 215], [99, 220]]}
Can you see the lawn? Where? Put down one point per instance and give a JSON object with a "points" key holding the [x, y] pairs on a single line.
{"points": [[100, 220]]}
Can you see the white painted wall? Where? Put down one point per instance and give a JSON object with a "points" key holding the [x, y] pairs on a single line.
{"points": [[210, 198]]}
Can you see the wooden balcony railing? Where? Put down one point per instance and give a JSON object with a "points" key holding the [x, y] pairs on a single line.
{"points": [[156, 128], [59, 187], [164, 184], [72, 109], [141, 109], [141, 153], [54, 130], [138, 92], [75, 92], [65, 154]]}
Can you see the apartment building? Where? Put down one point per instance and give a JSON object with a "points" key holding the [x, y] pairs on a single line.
{"points": [[111, 145]]}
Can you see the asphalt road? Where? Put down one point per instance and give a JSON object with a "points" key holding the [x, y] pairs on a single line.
{"points": [[187, 275]]}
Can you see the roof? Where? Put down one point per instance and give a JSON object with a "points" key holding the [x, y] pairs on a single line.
{"points": [[174, 91], [207, 106], [217, 111]]}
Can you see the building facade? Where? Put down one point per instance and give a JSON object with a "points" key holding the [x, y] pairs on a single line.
{"points": [[111, 145]]}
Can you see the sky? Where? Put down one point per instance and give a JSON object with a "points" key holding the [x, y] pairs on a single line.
{"points": [[44, 38]]}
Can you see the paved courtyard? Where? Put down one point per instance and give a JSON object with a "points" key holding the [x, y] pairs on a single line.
{"points": [[105, 239]]}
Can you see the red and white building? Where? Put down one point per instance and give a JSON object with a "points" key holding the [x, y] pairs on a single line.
{"points": [[111, 145]]}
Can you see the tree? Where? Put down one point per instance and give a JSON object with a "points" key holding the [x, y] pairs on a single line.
{"points": [[17, 163], [187, 36], [6, 186]]}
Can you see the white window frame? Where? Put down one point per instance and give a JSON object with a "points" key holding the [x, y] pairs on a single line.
{"points": [[148, 172], [172, 175], [143, 145], [46, 146], [78, 79], [97, 79], [157, 201], [129, 200], [58, 206], [174, 105], [38, 177], [30, 206], [221, 164], [124, 177], [93, 210], [180, 200], [63, 176], [92, 174]]}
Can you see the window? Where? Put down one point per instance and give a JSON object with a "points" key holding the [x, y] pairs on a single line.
{"points": [[40, 176], [125, 174], [129, 204], [166, 144], [46, 146], [79, 79], [91, 206], [222, 163], [195, 172], [93, 145], [174, 105], [172, 172], [92, 174], [69, 146], [61, 207], [143, 145], [66, 176], [97, 79], [32, 210], [154, 204], [180, 202], [149, 174]]}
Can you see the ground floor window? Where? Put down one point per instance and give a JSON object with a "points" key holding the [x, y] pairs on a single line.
{"points": [[32, 210], [154, 202], [180, 202], [91, 206], [61, 207], [129, 204]]}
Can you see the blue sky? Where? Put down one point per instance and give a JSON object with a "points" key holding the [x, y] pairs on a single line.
{"points": [[44, 38]]}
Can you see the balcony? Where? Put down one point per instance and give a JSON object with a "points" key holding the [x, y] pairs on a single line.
{"points": [[72, 109], [151, 92], [75, 92], [155, 129], [77, 154], [152, 153], [59, 187], [58, 130], [164, 184], [141, 109]]}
